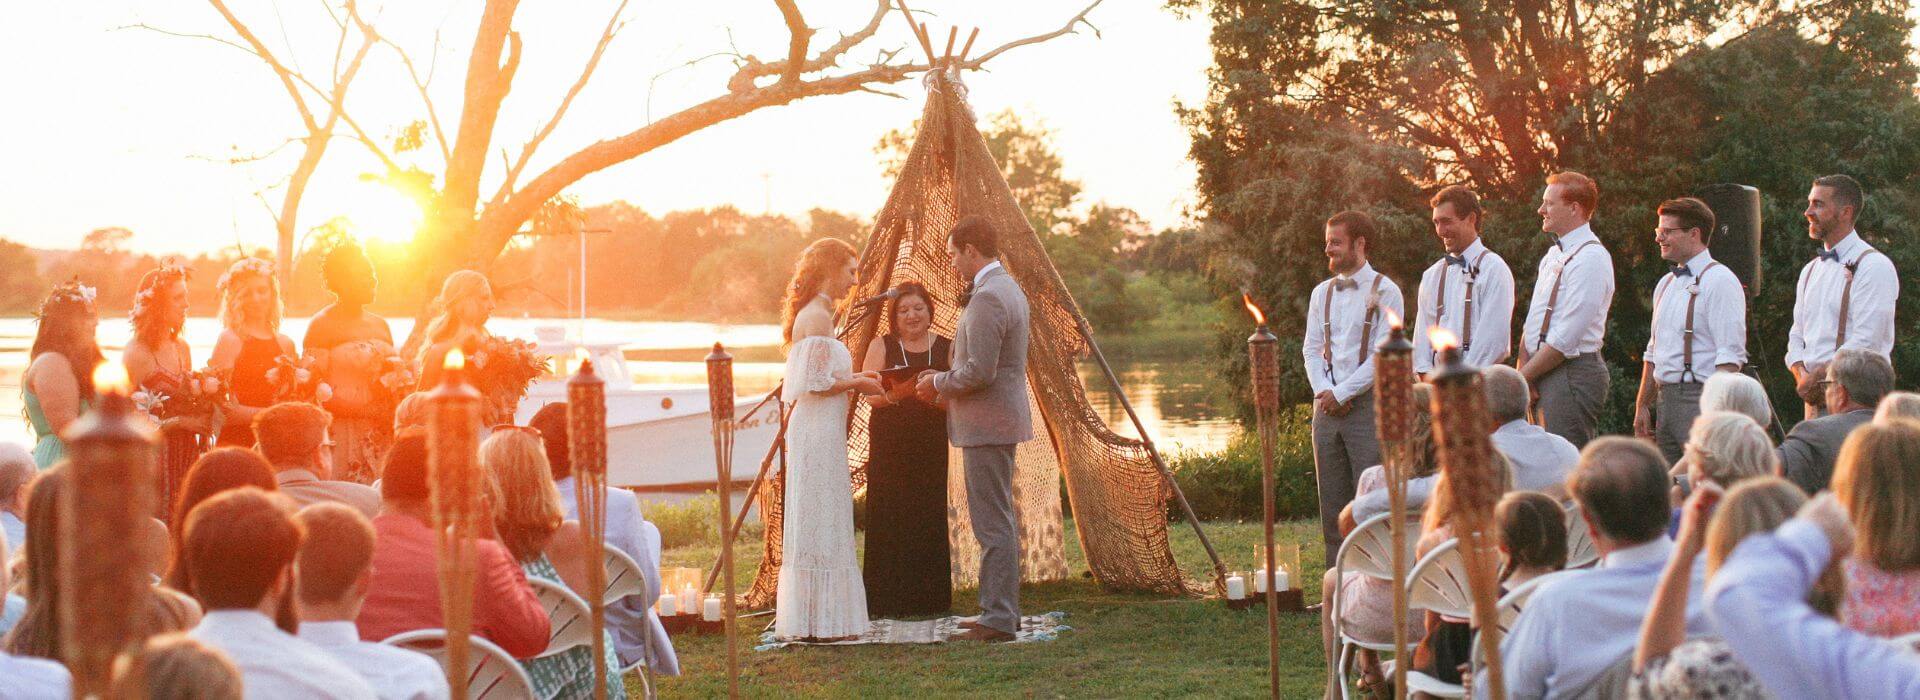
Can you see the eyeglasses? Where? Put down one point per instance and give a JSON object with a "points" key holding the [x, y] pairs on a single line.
{"points": [[503, 427]]}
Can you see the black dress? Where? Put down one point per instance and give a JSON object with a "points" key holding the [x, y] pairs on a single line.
{"points": [[906, 569]]}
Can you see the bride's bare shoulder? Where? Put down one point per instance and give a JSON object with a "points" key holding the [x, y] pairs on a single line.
{"points": [[811, 321]]}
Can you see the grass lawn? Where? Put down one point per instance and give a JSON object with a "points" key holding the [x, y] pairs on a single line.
{"points": [[1121, 644]]}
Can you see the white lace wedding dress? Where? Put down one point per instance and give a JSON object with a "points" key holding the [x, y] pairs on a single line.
{"points": [[821, 593]]}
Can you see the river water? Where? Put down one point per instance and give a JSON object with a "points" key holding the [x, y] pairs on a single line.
{"points": [[1172, 398]]}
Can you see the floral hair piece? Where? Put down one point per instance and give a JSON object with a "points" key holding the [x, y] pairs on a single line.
{"points": [[70, 293], [245, 266], [168, 274]]}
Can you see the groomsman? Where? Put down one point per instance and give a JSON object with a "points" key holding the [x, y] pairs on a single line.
{"points": [[1346, 319], [1567, 316], [1469, 290], [1846, 294], [1699, 327]]}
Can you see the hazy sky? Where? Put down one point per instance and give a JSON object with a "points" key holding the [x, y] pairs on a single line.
{"points": [[123, 127]]}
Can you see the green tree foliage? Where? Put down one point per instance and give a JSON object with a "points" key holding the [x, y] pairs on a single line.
{"points": [[1654, 99], [21, 286]]}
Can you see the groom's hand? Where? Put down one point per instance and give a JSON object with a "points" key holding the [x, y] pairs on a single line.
{"points": [[924, 387]]}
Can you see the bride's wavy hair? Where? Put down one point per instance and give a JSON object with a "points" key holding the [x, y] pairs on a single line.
{"points": [[820, 259]]}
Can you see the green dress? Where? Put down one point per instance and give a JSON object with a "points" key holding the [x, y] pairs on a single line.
{"points": [[48, 448], [569, 674]]}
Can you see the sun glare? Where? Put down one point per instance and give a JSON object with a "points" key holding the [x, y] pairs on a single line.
{"points": [[383, 213]]}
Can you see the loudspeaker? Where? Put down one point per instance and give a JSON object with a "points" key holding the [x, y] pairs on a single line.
{"points": [[1736, 243]]}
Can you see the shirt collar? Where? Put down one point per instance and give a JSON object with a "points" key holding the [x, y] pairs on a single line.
{"points": [[1361, 275], [1848, 245], [1657, 550], [1517, 425], [1698, 263], [982, 274], [1574, 238], [331, 633], [1473, 250], [288, 476], [239, 619]]}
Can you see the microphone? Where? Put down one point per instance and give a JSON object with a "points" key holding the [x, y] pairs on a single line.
{"points": [[880, 298]]}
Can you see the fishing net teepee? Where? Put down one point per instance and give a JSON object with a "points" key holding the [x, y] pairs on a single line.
{"points": [[1119, 498]]}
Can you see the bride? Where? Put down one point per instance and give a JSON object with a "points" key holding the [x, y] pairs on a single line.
{"points": [[821, 596]]}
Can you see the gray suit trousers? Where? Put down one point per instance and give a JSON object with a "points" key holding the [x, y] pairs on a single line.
{"points": [[1571, 396], [1342, 448], [989, 471], [1673, 415]]}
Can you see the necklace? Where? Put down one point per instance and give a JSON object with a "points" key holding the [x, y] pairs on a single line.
{"points": [[908, 354]]}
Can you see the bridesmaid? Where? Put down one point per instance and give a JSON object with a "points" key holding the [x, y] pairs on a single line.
{"points": [[460, 321], [907, 570], [250, 310], [158, 360], [58, 384], [347, 345]]}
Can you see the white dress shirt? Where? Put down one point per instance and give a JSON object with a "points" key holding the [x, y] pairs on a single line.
{"points": [[29, 678], [16, 530], [1348, 376], [1581, 623], [982, 274], [1492, 283], [1719, 322], [1540, 459], [394, 673], [1586, 293], [1816, 304], [632, 620], [1377, 501], [274, 664]]}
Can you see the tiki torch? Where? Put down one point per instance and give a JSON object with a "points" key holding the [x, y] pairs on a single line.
{"points": [[1393, 397], [587, 435], [108, 499], [1263, 364], [1460, 428], [453, 450], [720, 406]]}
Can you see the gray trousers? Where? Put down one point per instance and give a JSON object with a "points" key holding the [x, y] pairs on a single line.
{"points": [[1571, 396], [1342, 448], [1673, 413], [989, 472]]}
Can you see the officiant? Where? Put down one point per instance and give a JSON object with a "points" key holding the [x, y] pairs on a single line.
{"points": [[907, 571]]}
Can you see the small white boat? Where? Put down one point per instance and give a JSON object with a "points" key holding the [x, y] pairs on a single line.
{"points": [[659, 437]]}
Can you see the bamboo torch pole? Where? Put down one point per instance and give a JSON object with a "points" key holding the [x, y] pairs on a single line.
{"points": [[587, 433], [1393, 396], [1461, 427], [453, 451], [108, 498], [1263, 364], [720, 406]]}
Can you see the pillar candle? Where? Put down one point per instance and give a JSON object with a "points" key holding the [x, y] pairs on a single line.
{"points": [[669, 605], [1236, 587], [710, 611]]}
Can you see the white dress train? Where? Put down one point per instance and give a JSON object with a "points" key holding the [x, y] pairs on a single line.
{"points": [[821, 593]]}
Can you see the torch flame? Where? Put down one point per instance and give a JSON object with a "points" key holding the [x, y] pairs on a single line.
{"points": [[1393, 320], [1442, 339], [1258, 317], [111, 378], [455, 360]]}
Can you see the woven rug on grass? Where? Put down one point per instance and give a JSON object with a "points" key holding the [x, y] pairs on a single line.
{"points": [[1033, 628]]}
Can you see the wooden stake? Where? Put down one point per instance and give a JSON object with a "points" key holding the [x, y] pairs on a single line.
{"points": [[952, 33], [975, 34]]}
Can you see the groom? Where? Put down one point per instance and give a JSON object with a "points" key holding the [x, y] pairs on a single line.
{"points": [[987, 415]]}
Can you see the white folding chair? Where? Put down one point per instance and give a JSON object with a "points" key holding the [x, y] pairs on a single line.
{"points": [[569, 621], [623, 575], [491, 672], [1581, 553], [1510, 606], [1438, 583], [1368, 551]]}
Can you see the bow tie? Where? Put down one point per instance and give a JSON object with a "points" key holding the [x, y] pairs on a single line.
{"points": [[966, 296], [1682, 271], [1459, 260], [1829, 255], [1341, 285]]}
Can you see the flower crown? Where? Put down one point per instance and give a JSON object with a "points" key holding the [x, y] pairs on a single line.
{"points": [[246, 266], [70, 293], [169, 273]]}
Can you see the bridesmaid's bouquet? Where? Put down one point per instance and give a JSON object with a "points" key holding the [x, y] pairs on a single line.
{"points": [[197, 395], [502, 369], [294, 379]]}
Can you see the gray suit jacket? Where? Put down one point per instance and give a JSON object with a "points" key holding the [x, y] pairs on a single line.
{"points": [[986, 391], [1808, 453]]}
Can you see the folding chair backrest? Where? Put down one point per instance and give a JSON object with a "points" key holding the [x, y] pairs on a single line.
{"points": [[1369, 548], [623, 575], [569, 620], [492, 673], [1438, 583], [1581, 552], [1909, 642]]}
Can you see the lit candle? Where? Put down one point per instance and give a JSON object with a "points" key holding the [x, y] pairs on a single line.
{"points": [[689, 600], [109, 497], [453, 444], [1280, 580], [710, 610], [1236, 587], [1260, 581], [669, 605]]}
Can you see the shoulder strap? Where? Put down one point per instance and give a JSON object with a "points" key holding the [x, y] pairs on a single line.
{"points": [[1466, 318], [1846, 299], [1366, 326], [1686, 336], [1326, 326], [1553, 298]]}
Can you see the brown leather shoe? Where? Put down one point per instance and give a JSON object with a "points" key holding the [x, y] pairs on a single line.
{"points": [[972, 625], [985, 634]]}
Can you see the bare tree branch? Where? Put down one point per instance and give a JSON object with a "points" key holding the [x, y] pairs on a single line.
{"points": [[420, 85], [752, 68], [799, 35], [614, 24], [280, 70], [1055, 34], [186, 35]]}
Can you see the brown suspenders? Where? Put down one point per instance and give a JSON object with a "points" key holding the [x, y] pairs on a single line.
{"points": [[1686, 336], [1846, 300], [1366, 326], [1553, 299], [1466, 321]]}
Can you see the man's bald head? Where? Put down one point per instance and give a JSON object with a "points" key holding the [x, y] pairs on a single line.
{"points": [[1621, 483]]}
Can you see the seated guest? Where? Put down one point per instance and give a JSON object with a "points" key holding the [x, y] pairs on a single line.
{"points": [[1739, 393], [241, 546], [1723, 448], [1876, 480], [38, 633], [220, 469], [1899, 404], [176, 667], [1541, 460], [32, 678], [1758, 603], [410, 413], [404, 593], [335, 568], [1576, 633], [1422, 472], [635, 625], [1669, 665], [293, 437], [16, 469], [1856, 379], [15, 605], [527, 517], [1447, 643]]}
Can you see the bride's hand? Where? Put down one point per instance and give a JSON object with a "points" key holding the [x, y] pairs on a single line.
{"points": [[866, 384]]}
